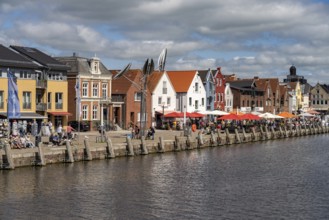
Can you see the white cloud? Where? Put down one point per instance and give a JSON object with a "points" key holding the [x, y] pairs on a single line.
{"points": [[246, 37]]}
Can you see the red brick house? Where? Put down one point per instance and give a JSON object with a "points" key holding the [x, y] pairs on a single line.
{"points": [[220, 83]]}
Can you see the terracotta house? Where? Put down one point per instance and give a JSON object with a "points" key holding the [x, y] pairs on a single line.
{"points": [[220, 84]]}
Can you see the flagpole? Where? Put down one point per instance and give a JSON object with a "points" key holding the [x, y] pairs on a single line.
{"points": [[78, 103]]}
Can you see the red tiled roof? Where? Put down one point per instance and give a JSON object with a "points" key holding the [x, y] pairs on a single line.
{"points": [[153, 80], [121, 85], [181, 80]]}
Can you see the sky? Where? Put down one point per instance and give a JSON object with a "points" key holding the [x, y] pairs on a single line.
{"points": [[261, 38]]}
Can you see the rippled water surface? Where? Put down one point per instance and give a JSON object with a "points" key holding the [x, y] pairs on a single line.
{"points": [[282, 179]]}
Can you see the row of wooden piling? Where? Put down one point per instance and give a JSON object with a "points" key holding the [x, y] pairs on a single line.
{"points": [[143, 147]]}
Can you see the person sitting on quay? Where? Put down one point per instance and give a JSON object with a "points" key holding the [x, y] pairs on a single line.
{"points": [[150, 133]]}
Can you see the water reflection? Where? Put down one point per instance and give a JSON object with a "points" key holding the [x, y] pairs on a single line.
{"points": [[286, 179]]}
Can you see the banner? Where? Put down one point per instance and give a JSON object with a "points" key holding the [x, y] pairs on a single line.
{"points": [[78, 98], [13, 108]]}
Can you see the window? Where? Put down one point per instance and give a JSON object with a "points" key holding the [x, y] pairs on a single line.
{"points": [[85, 89], [26, 100], [138, 96], [49, 100], [59, 100], [23, 74], [95, 111], [55, 76], [85, 112], [95, 89], [190, 101], [202, 101], [196, 104], [1, 100], [220, 82], [196, 87], [168, 101], [104, 90], [159, 100], [164, 87]]}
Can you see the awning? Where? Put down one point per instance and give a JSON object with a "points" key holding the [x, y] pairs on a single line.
{"points": [[25, 115], [60, 113]]}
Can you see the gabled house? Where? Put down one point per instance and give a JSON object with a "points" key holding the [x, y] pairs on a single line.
{"points": [[268, 98], [51, 95], [296, 96], [163, 96], [127, 91], [208, 80], [94, 88], [26, 72], [284, 98], [220, 87], [190, 92], [247, 96], [228, 98], [319, 98]]}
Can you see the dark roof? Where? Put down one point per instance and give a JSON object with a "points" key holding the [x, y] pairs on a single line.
{"points": [[40, 57], [325, 87], [81, 66], [9, 58], [243, 85], [203, 75]]}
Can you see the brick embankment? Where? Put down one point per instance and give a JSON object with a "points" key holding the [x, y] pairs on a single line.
{"points": [[90, 146]]}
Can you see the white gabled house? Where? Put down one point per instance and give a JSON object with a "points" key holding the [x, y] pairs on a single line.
{"points": [[228, 98], [163, 96], [190, 92]]}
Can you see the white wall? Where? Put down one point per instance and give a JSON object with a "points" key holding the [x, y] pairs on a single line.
{"points": [[196, 96], [158, 92], [228, 98]]}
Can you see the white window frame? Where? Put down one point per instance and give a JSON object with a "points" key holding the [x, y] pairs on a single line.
{"points": [[95, 89], [85, 112], [85, 86], [138, 96], [104, 90], [95, 112]]}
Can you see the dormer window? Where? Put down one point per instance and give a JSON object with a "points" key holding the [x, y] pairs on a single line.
{"points": [[94, 64]]}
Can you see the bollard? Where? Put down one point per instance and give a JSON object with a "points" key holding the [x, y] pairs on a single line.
{"points": [[254, 137], [87, 153], [10, 163], [41, 161], [130, 148], [109, 148], [144, 150], [213, 140], [70, 158], [177, 144], [200, 140], [228, 139], [262, 133], [219, 139], [188, 143], [237, 136], [244, 135], [161, 145], [267, 133]]}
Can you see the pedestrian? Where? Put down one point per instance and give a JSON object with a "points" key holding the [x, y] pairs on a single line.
{"points": [[59, 130], [136, 132], [69, 130]]}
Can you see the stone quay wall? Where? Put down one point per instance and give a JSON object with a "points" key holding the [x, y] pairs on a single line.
{"points": [[107, 147]]}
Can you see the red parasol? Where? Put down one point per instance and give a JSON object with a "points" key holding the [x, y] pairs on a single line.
{"points": [[230, 116], [249, 116], [194, 115], [174, 115]]}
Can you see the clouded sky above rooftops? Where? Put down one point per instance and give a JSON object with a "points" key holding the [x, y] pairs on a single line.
{"points": [[249, 38]]}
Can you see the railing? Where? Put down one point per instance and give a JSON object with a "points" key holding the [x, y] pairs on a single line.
{"points": [[59, 105], [26, 105], [41, 84], [117, 99], [41, 106]]}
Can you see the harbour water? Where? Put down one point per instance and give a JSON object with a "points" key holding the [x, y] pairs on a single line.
{"points": [[279, 179]]}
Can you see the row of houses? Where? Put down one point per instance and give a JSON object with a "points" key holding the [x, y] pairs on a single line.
{"points": [[74, 88]]}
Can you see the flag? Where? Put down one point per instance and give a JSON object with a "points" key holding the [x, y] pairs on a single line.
{"points": [[13, 109], [78, 97]]}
